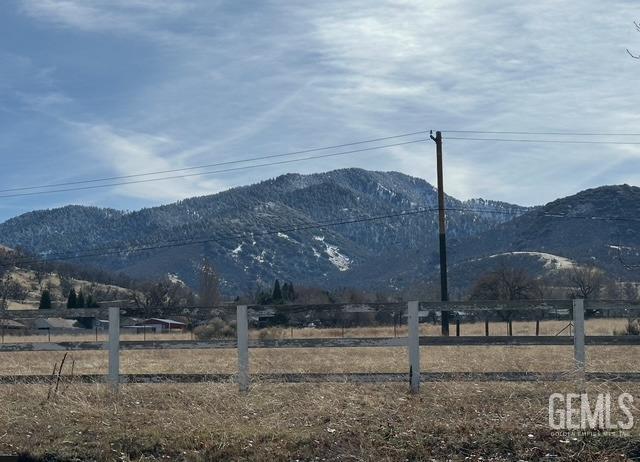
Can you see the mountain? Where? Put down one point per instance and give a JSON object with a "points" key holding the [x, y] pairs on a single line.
{"points": [[238, 231], [599, 226]]}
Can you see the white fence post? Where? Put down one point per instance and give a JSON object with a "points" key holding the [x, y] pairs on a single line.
{"points": [[413, 343], [242, 329], [578, 336], [113, 377]]}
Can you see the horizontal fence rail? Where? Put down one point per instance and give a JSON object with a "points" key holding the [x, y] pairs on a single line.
{"points": [[330, 342], [532, 306], [245, 314]]}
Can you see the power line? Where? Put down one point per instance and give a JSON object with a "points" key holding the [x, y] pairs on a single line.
{"points": [[110, 251], [212, 172], [217, 164], [169, 244], [190, 240], [528, 140], [554, 133]]}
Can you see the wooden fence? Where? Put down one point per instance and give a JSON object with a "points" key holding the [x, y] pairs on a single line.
{"points": [[412, 342]]}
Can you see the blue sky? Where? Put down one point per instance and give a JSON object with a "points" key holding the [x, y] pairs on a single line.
{"points": [[94, 88]]}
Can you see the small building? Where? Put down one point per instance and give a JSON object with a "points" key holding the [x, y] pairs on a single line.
{"points": [[142, 329], [160, 324], [9, 324], [54, 323]]}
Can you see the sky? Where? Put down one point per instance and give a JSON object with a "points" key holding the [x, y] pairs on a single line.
{"points": [[100, 88]]}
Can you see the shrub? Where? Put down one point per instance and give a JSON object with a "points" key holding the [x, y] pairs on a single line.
{"points": [[271, 333], [216, 328], [632, 328]]}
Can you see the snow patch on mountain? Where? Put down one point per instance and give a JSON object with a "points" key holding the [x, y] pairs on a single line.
{"points": [[235, 252], [260, 258], [382, 189], [550, 260], [175, 279], [338, 259]]}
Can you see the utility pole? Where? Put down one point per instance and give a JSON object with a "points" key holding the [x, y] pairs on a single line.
{"points": [[442, 225]]}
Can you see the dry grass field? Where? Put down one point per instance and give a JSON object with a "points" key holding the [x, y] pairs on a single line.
{"points": [[338, 360], [278, 422], [549, 327], [500, 421]]}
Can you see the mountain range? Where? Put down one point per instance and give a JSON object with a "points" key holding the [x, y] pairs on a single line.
{"points": [[349, 227]]}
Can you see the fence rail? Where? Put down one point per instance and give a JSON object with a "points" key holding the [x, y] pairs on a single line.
{"points": [[533, 306], [412, 342]]}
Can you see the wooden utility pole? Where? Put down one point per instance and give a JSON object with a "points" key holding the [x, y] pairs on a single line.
{"points": [[444, 290]]}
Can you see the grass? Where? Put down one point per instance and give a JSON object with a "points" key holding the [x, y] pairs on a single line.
{"points": [[299, 360], [446, 421], [549, 327], [332, 421]]}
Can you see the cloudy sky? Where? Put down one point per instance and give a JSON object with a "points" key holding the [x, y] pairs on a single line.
{"points": [[100, 88]]}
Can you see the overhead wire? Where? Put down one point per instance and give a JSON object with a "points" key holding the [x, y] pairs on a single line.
{"points": [[212, 172], [111, 251], [216, 164], [247, 234], [548, 133], [530, 140]]}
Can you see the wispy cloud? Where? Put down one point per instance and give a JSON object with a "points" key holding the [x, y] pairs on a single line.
{"points": [[127, 153], [195, 82]]}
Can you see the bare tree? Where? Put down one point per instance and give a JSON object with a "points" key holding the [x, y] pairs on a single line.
{"points": [[7, 261], [638, 29], [151, 297], [585, 282], [39, 271], [506, 283], [209, 285], [630, 292]]}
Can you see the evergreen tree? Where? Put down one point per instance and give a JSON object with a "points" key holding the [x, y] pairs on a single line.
{"points": [[277, 293], [91, 302], [288, 295], [72, 301], [263, 297], [45, 300], [80, 300]]}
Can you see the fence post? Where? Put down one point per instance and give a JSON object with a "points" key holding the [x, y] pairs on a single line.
{"points": [[578, 336], [113, 378], [242, 329], [413, 343]]}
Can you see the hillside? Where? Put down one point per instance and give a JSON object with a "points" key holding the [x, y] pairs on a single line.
{"points": [[247, 233], [587, 227], [27, 286], [366, 254]]}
